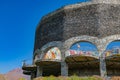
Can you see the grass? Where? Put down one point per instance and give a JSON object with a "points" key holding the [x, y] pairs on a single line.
{"points": [[74, 77]]}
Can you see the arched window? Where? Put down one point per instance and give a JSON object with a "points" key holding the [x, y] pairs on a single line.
{"points": [[113, 48], [83, 48]]}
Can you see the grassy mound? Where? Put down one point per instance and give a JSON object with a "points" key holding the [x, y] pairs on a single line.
{"points": [[69, 78]]}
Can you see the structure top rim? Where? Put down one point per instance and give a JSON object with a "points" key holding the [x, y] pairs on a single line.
{"points": [[107, 1]]}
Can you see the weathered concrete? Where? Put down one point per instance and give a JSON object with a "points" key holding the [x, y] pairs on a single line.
{"points": [[93, 19], [33, 75], [39, 71], [107, 1], [103, 71], [64, 69]]}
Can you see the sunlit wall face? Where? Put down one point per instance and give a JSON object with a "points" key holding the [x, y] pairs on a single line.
{"points": [[83, 48], [113, 49], [53, 54]]}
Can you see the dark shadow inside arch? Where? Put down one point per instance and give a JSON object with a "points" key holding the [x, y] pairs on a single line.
{"points": [[112, 55], [82, 59]]}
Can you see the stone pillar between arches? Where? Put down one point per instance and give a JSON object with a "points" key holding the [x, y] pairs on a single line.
{"points": [[64, 69], [103, 70], [39, 71]]}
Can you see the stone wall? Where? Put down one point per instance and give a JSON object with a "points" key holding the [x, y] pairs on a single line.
{"points": [[109, 19], [50, 29], [92, 19], [107, 1]]}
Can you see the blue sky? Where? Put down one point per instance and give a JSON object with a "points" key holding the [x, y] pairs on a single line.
{"points": [[18, 21]]}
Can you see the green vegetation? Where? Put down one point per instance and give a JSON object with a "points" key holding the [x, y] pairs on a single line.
{"points": [[22, 79], [69, 78]]}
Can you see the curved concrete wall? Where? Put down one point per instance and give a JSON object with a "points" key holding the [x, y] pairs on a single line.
{"points": [[92, 19]]}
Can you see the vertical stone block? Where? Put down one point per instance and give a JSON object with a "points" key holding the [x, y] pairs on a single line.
{"points": [[64, 69], [33, 75], [103, 71], [39, 71]]}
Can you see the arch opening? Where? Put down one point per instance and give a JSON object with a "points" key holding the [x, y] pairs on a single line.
{"points": [[82, 59], [112, 55], [51, 61], [83, 48], [113, 49]]}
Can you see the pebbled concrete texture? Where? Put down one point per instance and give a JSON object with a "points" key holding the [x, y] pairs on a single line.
{"points": [[107, 1], [90, 18]]}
